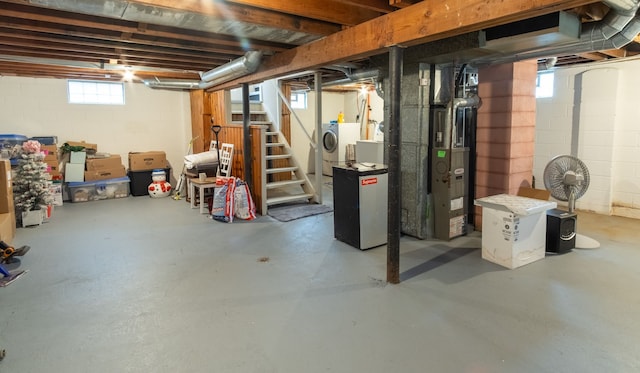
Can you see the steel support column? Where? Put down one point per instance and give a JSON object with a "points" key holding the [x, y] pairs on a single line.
{"points": [[319, 147], [394, 197], [246, 136]]}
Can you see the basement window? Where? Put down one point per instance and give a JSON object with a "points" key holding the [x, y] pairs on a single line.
{"points": [[544, 85], [101, 93], [299, 100]]}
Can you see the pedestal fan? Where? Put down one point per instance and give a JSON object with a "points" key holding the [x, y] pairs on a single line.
{"points": [[567, 179]]}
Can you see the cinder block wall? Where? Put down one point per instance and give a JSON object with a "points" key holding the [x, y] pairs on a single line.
{"points": [[506, 130]]}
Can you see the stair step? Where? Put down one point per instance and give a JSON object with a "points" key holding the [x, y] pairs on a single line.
{"points": [[262, 112], [281, 169], [279, 184], [272, 133], [274, 144], [277, 156], [286, 199], [256, 122]]}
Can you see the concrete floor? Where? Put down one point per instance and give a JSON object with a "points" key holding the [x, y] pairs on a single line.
{"points": [[149, 285]]}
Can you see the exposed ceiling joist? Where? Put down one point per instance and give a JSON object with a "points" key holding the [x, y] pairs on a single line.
{"points": [[382, 6], [257, 16], [327, 10]]}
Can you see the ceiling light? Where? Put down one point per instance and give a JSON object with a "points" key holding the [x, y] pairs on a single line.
{"points": [[128, 75]]}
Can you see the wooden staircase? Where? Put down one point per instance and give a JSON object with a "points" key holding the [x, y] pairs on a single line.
{"points": [[282, 181]]}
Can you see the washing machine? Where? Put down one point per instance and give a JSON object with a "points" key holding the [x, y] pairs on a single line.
{"points": [[335, 138]]}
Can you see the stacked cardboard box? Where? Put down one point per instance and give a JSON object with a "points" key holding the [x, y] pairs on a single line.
{"points": [[141, 165], [104, 168], [52, 159], [7, 209]]}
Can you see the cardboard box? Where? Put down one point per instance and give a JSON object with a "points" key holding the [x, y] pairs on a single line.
{"points": [[110, 173], [6, 187], [51, 157], [141, 161], [78, 157], [53, 166], [86, 145], [96, 164], [73, 172], [51, 149], [7, 227], [541, 194]]}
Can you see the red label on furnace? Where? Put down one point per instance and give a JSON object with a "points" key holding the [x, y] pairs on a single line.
{"points": [[369, 181]]}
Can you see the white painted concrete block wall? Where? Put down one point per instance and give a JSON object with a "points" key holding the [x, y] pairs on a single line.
{"points": [[597, 124], [150, 120], [607, 113]]}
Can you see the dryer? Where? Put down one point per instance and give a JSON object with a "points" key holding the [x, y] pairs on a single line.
{"points": [[335, 138]]}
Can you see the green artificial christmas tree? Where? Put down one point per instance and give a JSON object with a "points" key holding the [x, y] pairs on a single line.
{"points": [[30, 184]]}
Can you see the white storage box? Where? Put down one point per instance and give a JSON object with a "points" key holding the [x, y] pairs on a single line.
{"points": [[514, 229]]}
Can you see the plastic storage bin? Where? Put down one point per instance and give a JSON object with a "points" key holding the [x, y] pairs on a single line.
{"points": [[140, 181], [9, 140], [99, 189]]}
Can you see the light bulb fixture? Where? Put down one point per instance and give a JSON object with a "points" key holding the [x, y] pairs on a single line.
{"points": [[128, 75]]}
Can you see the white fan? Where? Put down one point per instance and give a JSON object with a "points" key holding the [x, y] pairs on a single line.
{"points": [[567, 179]]}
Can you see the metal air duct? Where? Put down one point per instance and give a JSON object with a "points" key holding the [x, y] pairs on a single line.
{"points": [[618, 28], [242, 66]]}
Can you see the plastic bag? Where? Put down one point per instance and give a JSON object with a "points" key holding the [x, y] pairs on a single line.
{"points": [[244, 208], [223, 199]]}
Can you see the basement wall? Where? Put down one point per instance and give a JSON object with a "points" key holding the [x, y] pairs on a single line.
{"points": [[150, 119], [593, 115], [332, 104]]}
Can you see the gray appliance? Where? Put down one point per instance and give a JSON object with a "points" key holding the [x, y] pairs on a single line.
{"points": [[360, 204]]}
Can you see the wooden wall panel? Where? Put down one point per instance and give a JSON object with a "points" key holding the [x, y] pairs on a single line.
{"points": [[285, 128], [198, 111], [256, 188]]}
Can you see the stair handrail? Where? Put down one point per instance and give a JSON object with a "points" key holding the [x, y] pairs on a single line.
{"points": [[286, 102]]}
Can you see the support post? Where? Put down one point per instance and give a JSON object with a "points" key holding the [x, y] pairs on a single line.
{"points": [[318, 89], [246, 136], [393, 227]]}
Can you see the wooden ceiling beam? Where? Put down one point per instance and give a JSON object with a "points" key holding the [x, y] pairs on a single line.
{"points": [[381, 6], [50, 42], [65, 72], [617, 53], [402, 3], [226, 11], [116, 37], [593, 56], [423, 22], [329, 11], [68, 58]]}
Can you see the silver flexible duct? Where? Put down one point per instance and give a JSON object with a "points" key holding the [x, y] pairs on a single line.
{"points": [[242, 66]]}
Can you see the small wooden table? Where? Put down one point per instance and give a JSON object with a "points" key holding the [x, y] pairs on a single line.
{"points": [[209, 182]]}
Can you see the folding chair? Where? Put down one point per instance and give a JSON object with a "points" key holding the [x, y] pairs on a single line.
{"points": [[226, 158]]}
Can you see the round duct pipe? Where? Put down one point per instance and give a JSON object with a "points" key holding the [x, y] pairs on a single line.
{"points": [[244, 65]]}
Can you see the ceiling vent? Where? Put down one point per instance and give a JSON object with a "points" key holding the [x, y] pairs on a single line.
{"points": [[539, 32]]}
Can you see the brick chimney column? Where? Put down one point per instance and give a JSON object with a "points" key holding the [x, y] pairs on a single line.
{"points": [[506, 129]]}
